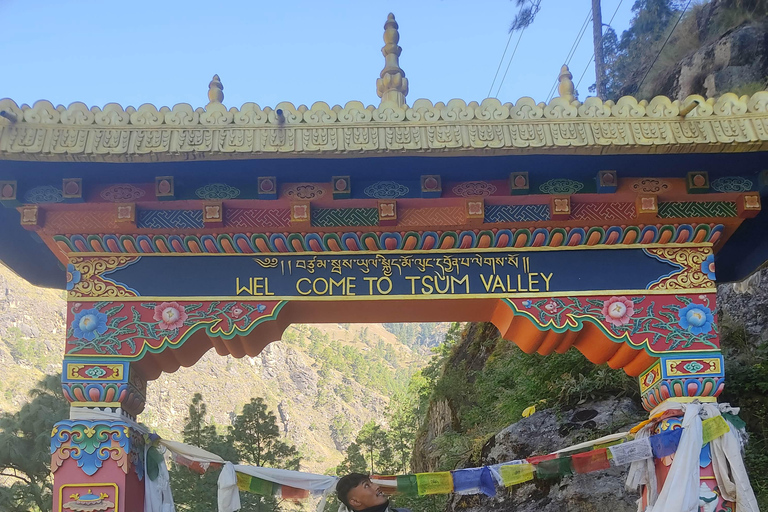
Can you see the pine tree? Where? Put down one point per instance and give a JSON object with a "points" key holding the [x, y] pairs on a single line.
{"points": [[256, 438], [193, 492], [25, 438]]}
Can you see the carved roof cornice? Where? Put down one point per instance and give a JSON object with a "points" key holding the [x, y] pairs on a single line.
{"points": [[114, 134]]}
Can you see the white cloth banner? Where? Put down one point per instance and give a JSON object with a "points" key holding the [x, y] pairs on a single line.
{"points": [[191, 452], [229, 494], [157, 492], [681, 488], [728, 466], [631, 451]]}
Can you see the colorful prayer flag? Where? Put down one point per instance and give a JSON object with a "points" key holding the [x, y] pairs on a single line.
{"points": [[713, 428], [407, 485], [594, 460], [473, 481], [536, 459], [665, 444], [387, 484], [434, 483], [513, 474], [293, 493], [255, 485], [554, 468], [624, 453]]}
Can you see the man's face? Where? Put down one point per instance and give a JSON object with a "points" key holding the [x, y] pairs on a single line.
{"points": [[366, 494]]}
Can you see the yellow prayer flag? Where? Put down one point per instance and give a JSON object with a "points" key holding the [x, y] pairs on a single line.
{"points": [[243, 481], [512, 474], [434, 483], [713, 428]]}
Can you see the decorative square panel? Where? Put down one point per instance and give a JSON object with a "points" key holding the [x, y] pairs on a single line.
{"points": [[88, 496], [431, 185], [300, 213], [560, 206], [705, 365], [387, 212], [8, 191], [607, 182], [125, 212], [213, 213], [267, 187], [647, 204], [697, 182], [749, 206], [30, 217], [650, 378], [341, 186], [164, 187], [72, 189], [518, 183], [475, 209]]}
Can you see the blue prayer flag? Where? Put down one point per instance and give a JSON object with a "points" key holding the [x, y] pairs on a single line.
{"points": [[473, 481], [665, 443]]}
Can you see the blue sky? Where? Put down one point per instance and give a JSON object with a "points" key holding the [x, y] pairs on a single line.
{"points": [[166, 51]]}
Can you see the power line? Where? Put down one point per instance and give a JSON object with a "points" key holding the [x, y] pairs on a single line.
{"points": [[663, 46], [514, 51], [501, 61], [572, 51], [510, 61]]}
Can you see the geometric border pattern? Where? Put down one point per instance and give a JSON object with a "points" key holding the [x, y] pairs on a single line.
{"points": [[702, 209]]}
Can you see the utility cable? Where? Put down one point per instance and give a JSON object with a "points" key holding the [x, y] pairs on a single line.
{"points": [[513, 53], [501, 61], [572, 51], [663, 46]]}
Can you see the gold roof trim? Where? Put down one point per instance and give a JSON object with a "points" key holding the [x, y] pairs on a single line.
{"points": [[77, 133]]}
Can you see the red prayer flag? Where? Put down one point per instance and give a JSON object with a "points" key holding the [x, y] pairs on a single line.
{"points": [[293, 493], [594, 460], [541, 458]]}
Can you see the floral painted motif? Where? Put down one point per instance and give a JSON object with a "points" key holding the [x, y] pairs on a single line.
{"points": [[386, 190], [130, 328], [73, 276], [551, 306], [88, 323], [696, 318], [170, 315], [618, 311], [708, 267], [658, 323]]}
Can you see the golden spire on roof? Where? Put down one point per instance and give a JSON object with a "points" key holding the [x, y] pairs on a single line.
{"points": [[392, 86], [565, 89], [215, 90]]}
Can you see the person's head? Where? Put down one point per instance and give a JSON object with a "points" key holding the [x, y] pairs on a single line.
{"points": [[357, 492]]}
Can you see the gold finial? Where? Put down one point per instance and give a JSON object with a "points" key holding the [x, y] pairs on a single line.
{"points": [[392, 86], [565, 89], [215, 90]]}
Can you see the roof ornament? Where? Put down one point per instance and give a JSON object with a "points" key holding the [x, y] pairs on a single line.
{"points": [[565, 89], [392, 86], [215, 90]]}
